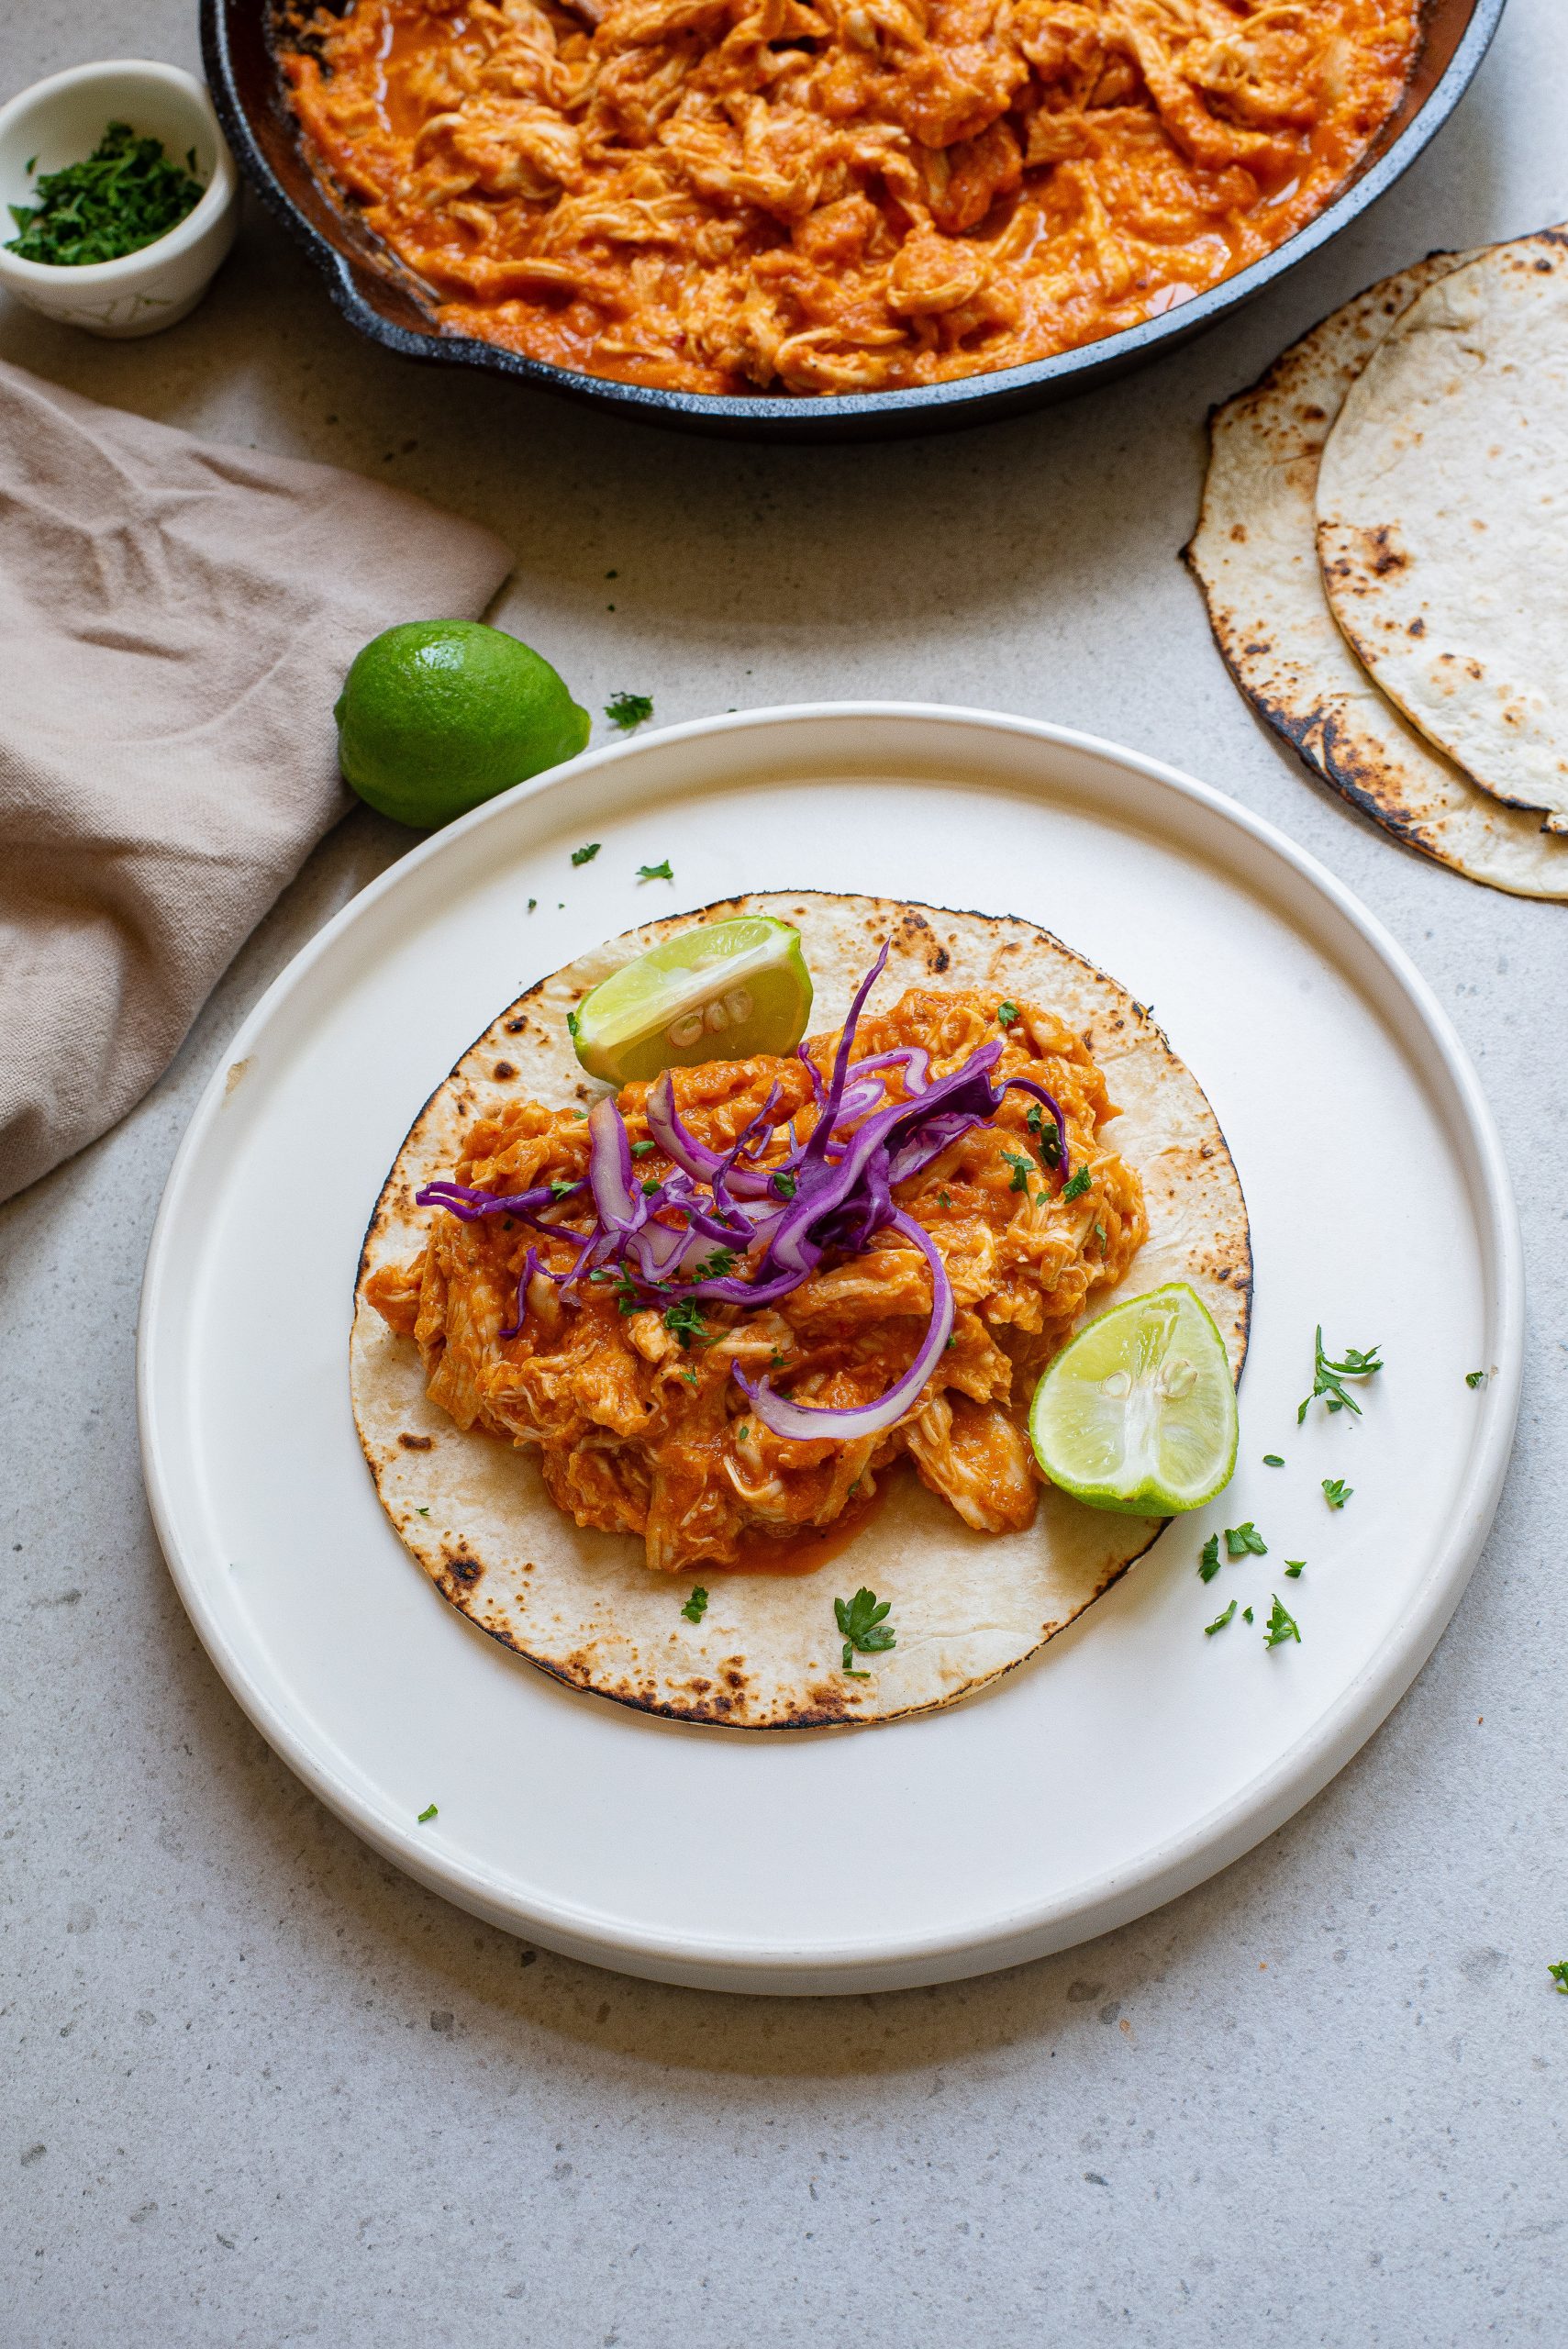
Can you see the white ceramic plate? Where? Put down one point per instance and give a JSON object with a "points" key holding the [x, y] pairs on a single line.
{"points": [[1136, 1757]]}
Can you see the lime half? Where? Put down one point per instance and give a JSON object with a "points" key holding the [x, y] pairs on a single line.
{"points": [[1138, 1412], [719, 991]]}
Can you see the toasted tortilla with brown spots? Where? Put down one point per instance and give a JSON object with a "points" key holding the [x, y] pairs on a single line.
{"points": [[1255, 555], [1442, 519], [967, 1607]]}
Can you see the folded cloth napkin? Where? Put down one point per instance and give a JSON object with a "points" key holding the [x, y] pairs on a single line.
{"points": [[175, 620]]}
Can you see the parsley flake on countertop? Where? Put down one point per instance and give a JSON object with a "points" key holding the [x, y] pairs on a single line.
{"points": [[125, 195], [1474, 1378], [1241, 1540], [1273, 1460], [1295, 1568], [1208, 1563], [626, 710], [1219, 1621], [586, 854], [429, 1812], [1559, 1974], [1246, 1614], [1328, 1377], [863, 1621], [1078, 1184], [655, 872], [696, 1606], [1336, 1492], [1282, 1627]]}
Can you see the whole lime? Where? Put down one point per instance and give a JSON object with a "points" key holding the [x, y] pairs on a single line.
{"points": [[437, 715]]}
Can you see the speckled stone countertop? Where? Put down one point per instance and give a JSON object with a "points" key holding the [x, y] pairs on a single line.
{"points": [[259, 2088]]}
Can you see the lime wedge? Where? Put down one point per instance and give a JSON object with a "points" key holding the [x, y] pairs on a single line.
{"points": [[1138, 1412], [719, 991]]}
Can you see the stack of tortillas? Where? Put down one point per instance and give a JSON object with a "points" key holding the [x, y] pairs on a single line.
{"points": [[1384, 548]]}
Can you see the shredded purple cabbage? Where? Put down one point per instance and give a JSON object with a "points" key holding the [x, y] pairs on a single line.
{"points": [[769, 1225]]}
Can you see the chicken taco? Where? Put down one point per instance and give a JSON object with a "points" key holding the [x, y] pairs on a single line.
{"points": [[709, 1392]]}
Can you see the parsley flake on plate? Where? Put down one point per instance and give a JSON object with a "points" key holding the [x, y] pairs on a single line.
{"points": [[585, 855], [1241, 1540], [1273, 1460], [1559, 1974], [1474, 1378], [1295, 1568], [1328, 1378], [655, 872], [696, 1606], [626, 710], [1075, 1187], [863, 1621], [1219, 1621], [1246, 1614], [1282, 1627], [430, 1811], [1336, 1492], [1208, 1563]]}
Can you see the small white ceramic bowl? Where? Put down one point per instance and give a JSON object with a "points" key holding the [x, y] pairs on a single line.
{"points": [[61, 121]]}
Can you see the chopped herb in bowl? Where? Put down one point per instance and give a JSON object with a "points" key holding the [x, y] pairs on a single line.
{"points": [[127, 194]]}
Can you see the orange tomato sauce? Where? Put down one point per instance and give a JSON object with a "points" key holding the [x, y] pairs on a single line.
{"points": [[835, 196]]}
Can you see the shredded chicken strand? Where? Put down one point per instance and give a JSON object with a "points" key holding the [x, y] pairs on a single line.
{"points": [[642, 1428], [722, 195]]}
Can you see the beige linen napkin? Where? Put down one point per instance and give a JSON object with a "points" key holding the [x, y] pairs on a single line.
{"points": [[175, 619]]}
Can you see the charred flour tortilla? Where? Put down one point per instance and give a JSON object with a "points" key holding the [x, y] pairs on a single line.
{"points": [[967, 1607], [1255, 555], [1442, 519]]}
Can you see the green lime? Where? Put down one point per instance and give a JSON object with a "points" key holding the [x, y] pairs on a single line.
{"points": [[1137, 1413], [718, 991], [437, 715]]}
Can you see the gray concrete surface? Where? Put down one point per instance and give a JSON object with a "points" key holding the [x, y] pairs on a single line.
{"points": [[258, 2089]]}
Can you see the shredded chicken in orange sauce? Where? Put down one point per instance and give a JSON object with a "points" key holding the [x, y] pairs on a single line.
{"points": [[643, 1430], [835, 196]]}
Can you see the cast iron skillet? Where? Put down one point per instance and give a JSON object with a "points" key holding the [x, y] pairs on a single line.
{"points": [[376, 295]]}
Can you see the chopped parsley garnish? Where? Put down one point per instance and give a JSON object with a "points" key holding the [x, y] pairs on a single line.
{"points": [[1049, 1139], [626, 710], [784, 1183], [1246, 1614], [655, 872], [1099, 1232], [1559, 1974], [421, 1512], [1208, 1562], [561, 1185], [125, 195], [1328, 1377], [1281, 1627], [1022, 1169], [696, 1606], [718, 1266], [641, 1149], [532, 902], [1219, 1621], [1077, 1184], [572, 1016], [777, 1361], [742, 1431], [1244, 1539], [683, 1320], [626, 1297], [1474, 1378], [430, 1811], [689, 1376], [650, 1184], [863, 1621], [943, 1200], [585, 855], [1007, 1015], [1273, 1460], [1336, 1492], [1294, 1568]]}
